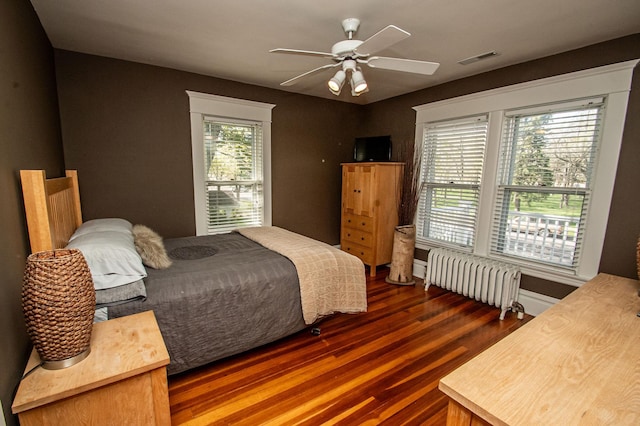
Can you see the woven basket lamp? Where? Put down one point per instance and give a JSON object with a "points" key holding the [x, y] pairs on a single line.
{"points": [[58, 302]]}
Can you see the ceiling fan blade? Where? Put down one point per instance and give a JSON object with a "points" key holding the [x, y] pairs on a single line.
{"points": [[384, 38], [294, 80], [404, 65], [302, 52]]}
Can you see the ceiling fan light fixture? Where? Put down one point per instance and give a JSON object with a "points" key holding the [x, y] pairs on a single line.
{"points": [[348, 53], [358, 83], [336, 82]]}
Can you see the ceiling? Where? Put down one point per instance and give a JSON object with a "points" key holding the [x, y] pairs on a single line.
{"points": [[232, 39]]}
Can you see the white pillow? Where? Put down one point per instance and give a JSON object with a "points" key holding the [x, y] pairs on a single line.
{"points": [[102, 225], [111, 256]]}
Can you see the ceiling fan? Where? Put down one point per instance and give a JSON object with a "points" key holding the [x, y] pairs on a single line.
{"points": [[348, 54]]}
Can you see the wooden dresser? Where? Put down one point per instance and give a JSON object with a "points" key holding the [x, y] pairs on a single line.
{"points": [[578, 363], [370, 196], [123, 381]]}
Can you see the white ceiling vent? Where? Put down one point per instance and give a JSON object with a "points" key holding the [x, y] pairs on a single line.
{"points": [[479, 57]]}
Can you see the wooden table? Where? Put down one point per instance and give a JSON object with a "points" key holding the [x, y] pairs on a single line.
{"points": [[123, 381], [576, 363]]}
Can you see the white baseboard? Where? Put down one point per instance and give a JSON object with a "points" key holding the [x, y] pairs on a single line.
{"points": [[419, 268], [535, 303]]}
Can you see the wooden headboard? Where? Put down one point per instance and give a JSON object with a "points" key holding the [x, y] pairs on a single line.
{"points": [[52, 208]]}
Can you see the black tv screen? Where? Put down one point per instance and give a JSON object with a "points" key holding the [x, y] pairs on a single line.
{"points": [[372, 148]]}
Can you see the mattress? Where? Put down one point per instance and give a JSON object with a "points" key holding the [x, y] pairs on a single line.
{"points": [[224, 294]]}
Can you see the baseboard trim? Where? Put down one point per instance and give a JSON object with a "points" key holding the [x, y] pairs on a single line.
{"points": [[535, 303], [419, 268]]}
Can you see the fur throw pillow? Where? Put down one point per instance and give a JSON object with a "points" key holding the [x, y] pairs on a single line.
{"points": [[150, 247]]}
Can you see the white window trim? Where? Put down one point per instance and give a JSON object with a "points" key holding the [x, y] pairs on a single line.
{"points": [[614, 81], [204, 104]]}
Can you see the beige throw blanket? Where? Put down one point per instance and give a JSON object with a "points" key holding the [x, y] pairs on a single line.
{"points": [[330, 279]]}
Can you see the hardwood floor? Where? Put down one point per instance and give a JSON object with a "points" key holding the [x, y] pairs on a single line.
{"points": [[380, 367]]}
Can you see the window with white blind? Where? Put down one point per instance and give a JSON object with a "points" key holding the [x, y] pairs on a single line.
{"points": [[453, 156], [231, 140], [233, 174], [545, 177]]}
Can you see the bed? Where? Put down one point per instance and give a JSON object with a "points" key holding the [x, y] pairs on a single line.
{"points": [[220, 295]]}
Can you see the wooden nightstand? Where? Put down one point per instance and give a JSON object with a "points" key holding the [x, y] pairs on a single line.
{"points": [[123, 381]]}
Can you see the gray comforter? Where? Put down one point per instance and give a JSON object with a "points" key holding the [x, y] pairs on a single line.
{"points": [[224, 294]]}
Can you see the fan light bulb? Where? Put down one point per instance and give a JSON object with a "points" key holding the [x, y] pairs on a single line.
{"points": [[361, 87]]}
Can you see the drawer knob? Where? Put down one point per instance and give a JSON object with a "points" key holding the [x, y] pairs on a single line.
{"points": [[362, 238], [363, 223], [348, 235]]}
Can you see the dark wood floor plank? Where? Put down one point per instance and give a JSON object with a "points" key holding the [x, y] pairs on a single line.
{"points": [[380, 367]]}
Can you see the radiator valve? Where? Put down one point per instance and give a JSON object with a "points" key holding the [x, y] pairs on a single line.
{"points": [[517, 306]]}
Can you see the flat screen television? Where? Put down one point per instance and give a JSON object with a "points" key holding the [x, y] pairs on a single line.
{"points": [[372, 148]]}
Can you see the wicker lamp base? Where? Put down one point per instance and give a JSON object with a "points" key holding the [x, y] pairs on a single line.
{"points": [[58, 302]]}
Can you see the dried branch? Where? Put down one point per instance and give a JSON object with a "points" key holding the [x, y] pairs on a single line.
{"points": [[411, 186]]}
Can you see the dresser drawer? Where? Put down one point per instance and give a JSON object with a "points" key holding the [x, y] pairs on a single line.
{"points": [[357, 236], [363, 223], [364, 253]]}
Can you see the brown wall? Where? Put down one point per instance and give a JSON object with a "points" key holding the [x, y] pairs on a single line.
{"points": [[396, 117], [29, 138], [125, 125], [126, 129]]}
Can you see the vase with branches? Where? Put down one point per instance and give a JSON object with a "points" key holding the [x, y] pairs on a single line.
{"points": [[404, 239]]}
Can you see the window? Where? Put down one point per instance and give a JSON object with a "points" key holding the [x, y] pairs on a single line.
{"points": [[545, 178], [231, 162], [233, 174], [545, 171], [453, 154]]}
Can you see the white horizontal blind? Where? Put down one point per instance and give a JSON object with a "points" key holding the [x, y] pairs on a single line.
{"points": [[545, 177], [453, 160], [233, 174]]}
